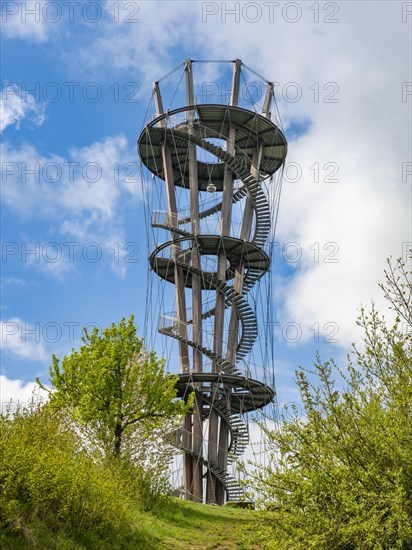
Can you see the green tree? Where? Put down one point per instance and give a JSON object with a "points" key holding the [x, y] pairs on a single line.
{"points": [[51, 485], [341, 476], [118, 391]]}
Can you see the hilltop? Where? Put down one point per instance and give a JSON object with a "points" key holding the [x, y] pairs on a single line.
{"points": [[175, 524]]}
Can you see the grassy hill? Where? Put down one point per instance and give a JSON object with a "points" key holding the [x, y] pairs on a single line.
{"points": [[176, 524], [190, 525]]}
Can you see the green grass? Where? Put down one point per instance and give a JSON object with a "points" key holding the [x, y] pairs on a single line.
{"points": [[184, 525], [176, 524]]}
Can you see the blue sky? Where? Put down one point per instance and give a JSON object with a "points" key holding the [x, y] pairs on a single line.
{"points": [[76, 86]]}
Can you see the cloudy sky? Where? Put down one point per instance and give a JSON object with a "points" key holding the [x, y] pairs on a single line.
{"points": [[76, 84]]}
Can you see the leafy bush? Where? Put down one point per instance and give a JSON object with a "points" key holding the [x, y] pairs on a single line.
{"points": [[341, 478], [47, 475], [98, 448], [118, 391]]}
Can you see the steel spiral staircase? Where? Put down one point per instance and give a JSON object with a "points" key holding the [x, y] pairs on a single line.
{"points": [[190, 259]]}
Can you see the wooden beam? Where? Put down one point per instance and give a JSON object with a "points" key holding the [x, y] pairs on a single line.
{"points": [[179, 284], [197, 427], [158, 102], [198, 449], [190, 95], [234, 94], [218, 435], [268, 100]]}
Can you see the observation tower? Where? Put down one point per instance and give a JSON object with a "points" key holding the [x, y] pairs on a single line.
{"points": [[211, 174]]}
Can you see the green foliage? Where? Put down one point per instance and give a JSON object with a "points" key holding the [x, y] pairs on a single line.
{"points": [[97, 452], [50, 482], [118, 391], [341, 478], [176, 524]]}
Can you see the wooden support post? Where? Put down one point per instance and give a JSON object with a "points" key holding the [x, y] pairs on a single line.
{"points": [[218, 434], [234, 93], [179, 286], [267, 102], [197, 444], [179, 276]]}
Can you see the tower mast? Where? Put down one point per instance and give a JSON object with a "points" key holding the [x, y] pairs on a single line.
{"points": [[214, 270]]}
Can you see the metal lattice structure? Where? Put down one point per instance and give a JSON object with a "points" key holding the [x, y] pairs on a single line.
{"points": [[214, 255]]}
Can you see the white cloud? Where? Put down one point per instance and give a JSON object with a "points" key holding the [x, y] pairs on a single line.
{"points": [[26, 20], [81, 195], [19, 392], [17, 105], [22, 339], [85, 183], [144, 47], [86, 194], [366, 133], [361, 62], [12, 282], [51, 257]]}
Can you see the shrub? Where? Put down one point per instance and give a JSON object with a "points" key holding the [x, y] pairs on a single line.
{"points": [[341, 478], [47, 474]]}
